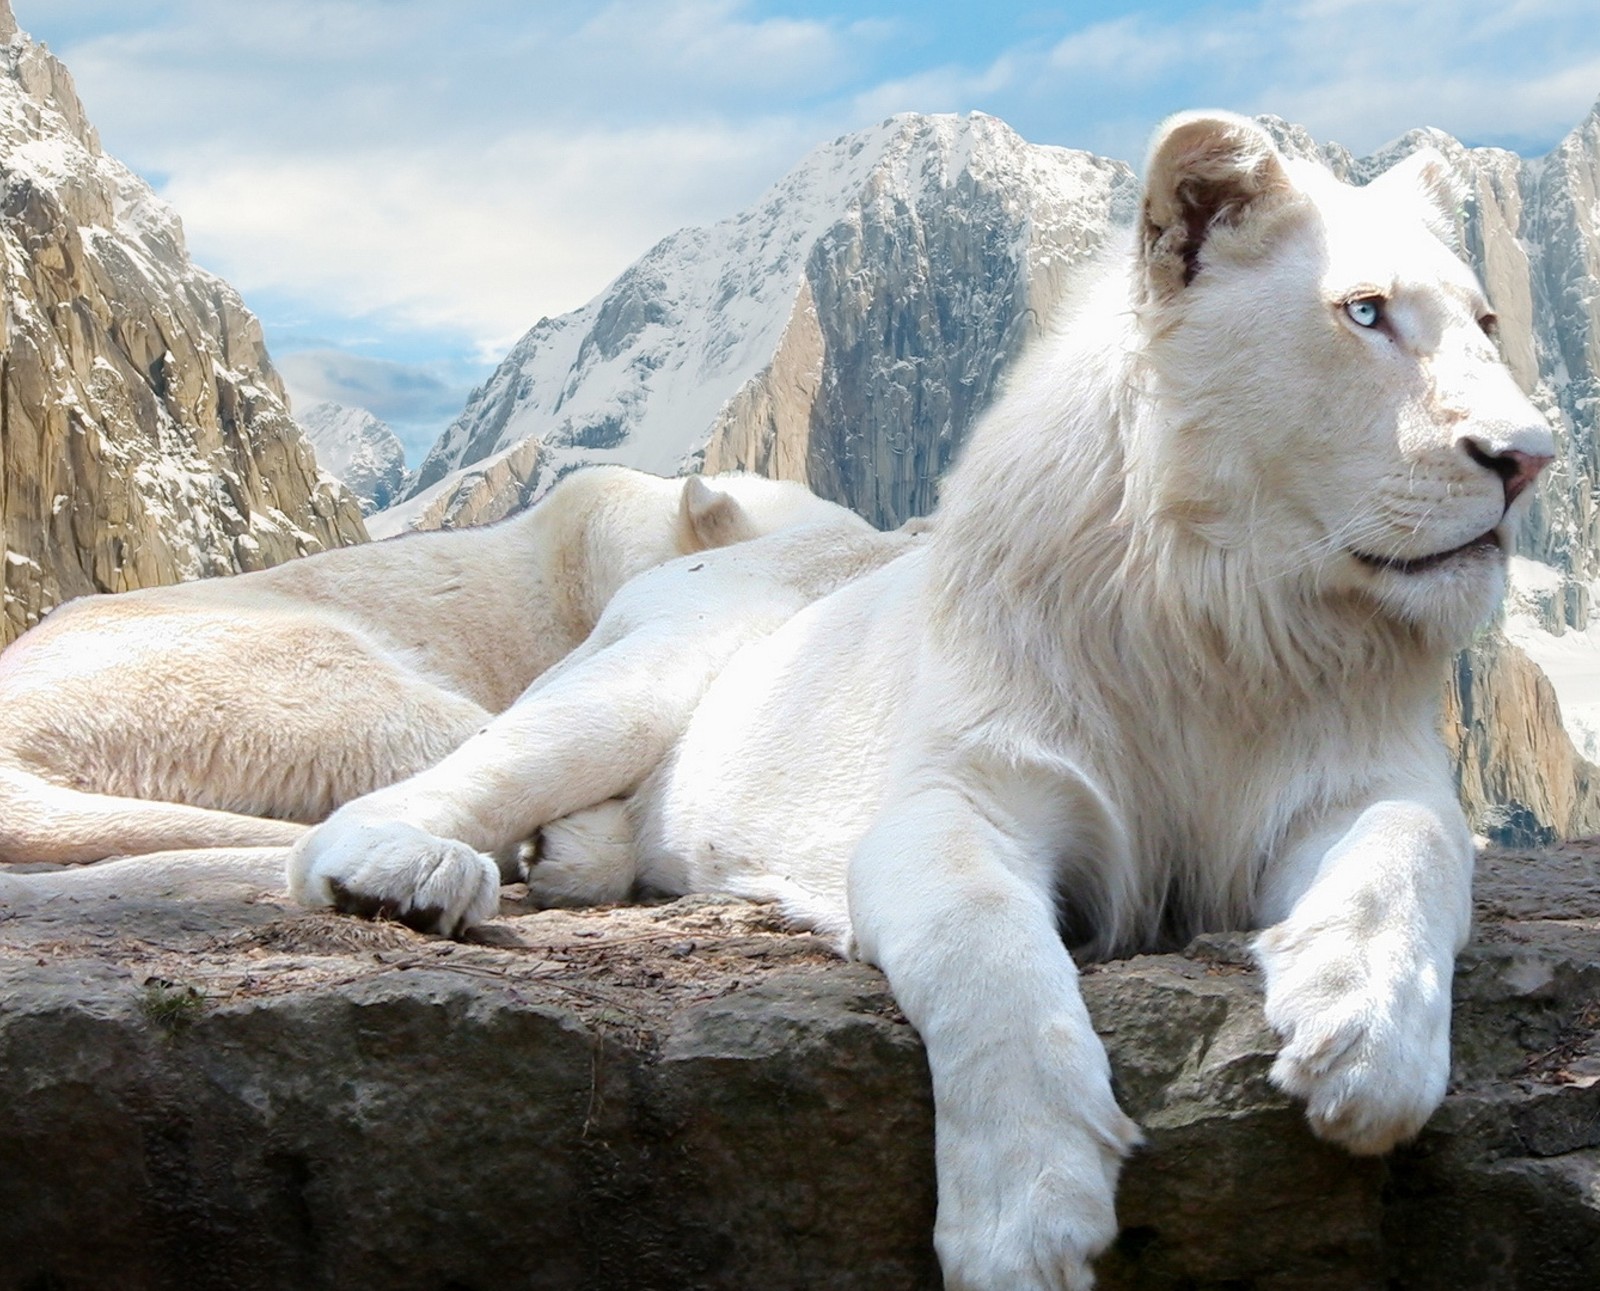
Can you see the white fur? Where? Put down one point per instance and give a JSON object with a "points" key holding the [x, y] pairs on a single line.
{"points": [[231, 712], [1164, 665], [557, 751]]}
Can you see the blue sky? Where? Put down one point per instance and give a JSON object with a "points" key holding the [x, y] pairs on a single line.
{"points": [[400, 188]]}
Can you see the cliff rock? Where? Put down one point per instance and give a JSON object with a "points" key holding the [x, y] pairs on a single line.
{"points": [[204, 1087], [496, 487], [1522, 781], [144, 435]]}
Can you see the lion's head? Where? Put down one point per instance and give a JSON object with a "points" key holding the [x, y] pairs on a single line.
{"points": [[1331, 400]]}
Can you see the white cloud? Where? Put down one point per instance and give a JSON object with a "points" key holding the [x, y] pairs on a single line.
{"points": [[390, 390], [1357, 71], [1134, 48], [482, 240], [712, 44], [471, 166]]}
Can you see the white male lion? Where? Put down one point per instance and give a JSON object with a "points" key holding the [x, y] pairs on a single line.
{"points": [[1170, 661], [232, 712]]}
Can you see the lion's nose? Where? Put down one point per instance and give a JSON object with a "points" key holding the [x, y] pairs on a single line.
{"points": [[1517, 469]]}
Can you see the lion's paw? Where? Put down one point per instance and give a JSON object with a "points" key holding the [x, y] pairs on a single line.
{"points": [[1026, 1205], [584, 859], [1366, 1034], [392, 870]]}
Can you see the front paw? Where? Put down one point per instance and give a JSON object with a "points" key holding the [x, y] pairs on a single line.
{"points": [[1027, 1203], [391, 870], [1366, 1031]]}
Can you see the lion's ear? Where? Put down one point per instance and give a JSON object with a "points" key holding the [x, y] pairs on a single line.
{"points": [[708, 517], [1206, 169], [1428, 172]]}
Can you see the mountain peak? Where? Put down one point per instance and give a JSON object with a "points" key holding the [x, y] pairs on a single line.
{"points": [[146, 433], [359, 451], [643, 373]]}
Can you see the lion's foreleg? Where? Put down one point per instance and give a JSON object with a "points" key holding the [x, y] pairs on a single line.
{"points": [[959, 913], [1358, 968], [415, 850]]}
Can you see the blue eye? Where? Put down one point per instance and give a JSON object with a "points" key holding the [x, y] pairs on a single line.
{"points": [[1366, 311]]}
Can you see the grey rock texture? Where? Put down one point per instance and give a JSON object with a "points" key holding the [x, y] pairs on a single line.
{"points": [[144, 435], [497, 487], [207, 1088], [1520, 778]]}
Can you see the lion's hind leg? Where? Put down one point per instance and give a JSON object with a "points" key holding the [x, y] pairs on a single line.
{"points": [[221, 875], [585, 859]]}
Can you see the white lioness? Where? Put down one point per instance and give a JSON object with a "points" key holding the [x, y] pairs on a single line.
{"points": [[232, 712], [1170, 661]]}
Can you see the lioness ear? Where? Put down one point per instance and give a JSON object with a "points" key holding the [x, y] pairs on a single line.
{"points": [[1205, 170], [1428, 172], [708, 517]]}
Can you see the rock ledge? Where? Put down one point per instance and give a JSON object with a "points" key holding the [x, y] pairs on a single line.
{"points": [[227, 1092]]}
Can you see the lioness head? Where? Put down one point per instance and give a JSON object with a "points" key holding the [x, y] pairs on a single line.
{"points": [[1335, 405], [724, 509]]}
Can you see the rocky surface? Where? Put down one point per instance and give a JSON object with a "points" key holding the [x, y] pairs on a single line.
{"points": [[495, 488], [204, 1087], [144, 435], [359, 451]]}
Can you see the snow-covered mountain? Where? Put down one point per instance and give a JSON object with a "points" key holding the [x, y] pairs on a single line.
{"points": [[359, 451], [843, 331], [144, 435]]}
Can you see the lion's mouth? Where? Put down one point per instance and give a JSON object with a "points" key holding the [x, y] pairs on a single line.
{"points": [[1482, 544]]}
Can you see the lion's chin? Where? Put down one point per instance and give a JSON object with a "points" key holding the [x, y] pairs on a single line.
{"points": [[1488, 547], [1448, 594]]}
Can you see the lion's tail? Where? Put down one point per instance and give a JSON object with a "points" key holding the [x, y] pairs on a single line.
{"points": [[43, 821]]}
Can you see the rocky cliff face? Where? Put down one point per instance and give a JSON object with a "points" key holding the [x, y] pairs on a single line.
{"points": [[144, 436], [843, 332], [1522, 781], [359, 451], [500, 485]]}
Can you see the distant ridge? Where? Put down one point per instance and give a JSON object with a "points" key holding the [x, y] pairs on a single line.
{"points": [[881, 286], [359, 451]]}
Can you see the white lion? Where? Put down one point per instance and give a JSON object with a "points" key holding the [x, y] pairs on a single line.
{"points": [[1170, 661], [232, 712]]}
